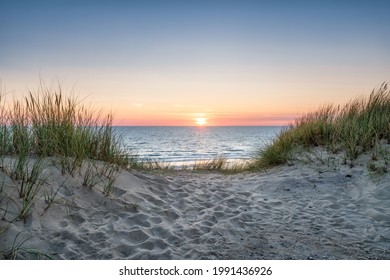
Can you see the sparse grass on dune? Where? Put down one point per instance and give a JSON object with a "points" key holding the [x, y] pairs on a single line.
{"points": [[218, 164], [221, 164], [355, 128]]}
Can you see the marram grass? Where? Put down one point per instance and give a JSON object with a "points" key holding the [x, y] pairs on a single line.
{"points": [[354, 128], [50, 123]]}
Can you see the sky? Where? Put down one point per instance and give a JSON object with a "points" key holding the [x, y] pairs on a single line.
{"points": [[175, 62]]}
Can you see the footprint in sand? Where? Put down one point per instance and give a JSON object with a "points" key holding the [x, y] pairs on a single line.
{"points": [[170, 214], [77, 220], [135, 236], [141, 220], [98, 237], [63, 224]]}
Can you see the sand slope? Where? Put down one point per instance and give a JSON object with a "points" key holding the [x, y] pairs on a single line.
{"points": [[303, 211]]}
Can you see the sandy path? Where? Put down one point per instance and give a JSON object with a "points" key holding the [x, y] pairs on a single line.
{"points": [[290, 212]]}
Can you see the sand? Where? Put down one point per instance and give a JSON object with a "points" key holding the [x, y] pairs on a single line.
{"points": [[316, 208]]}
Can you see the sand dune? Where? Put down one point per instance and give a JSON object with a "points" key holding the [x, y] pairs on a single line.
{"points": [[306, 210]]}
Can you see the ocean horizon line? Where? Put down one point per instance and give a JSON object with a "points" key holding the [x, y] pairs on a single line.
{"points": [[200, 126]]}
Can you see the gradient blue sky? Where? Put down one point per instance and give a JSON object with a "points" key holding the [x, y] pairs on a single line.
{"points": [[170, 62]]}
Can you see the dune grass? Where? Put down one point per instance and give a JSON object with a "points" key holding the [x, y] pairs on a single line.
{"points": [[217, 164], [49, 123], [222, 164], [354, 128]]}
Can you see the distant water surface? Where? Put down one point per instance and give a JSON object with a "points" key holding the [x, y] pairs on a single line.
{"points": [[188, 144]]}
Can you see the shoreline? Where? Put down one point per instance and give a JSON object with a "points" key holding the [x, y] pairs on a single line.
{"points": [[318, 209], [220, 163]]}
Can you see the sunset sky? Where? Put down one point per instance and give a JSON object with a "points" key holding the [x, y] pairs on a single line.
{"points": [[171, 62]]}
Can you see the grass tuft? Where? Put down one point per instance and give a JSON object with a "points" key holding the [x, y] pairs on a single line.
{"points": [[353, 129], [218, 163], [19, 251], [49, 123]]}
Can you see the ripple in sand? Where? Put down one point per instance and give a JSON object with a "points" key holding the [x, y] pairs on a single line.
{"points": [[137, 236], [141, 220]]}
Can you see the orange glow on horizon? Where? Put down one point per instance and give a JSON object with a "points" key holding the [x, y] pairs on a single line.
{"points": [[211, 120]]}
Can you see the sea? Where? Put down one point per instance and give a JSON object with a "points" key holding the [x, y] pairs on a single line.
{"points": [[189, 144]]}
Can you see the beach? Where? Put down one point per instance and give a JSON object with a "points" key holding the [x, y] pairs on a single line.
{"points": [[195, 130], [320, 207]]}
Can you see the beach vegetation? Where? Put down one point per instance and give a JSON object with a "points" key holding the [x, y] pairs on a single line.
{"points": [[49, 122], [91, 174], [2, 197], [19, 251], [16, 247], [109, 172], [29, 176], [30, 184], [380, 160], [217, 163], [155, 165], [221, 164], [377, 168], [51, 195], [352, 129]]}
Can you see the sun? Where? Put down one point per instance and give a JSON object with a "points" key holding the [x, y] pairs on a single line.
{"points": [[201, 121]]}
